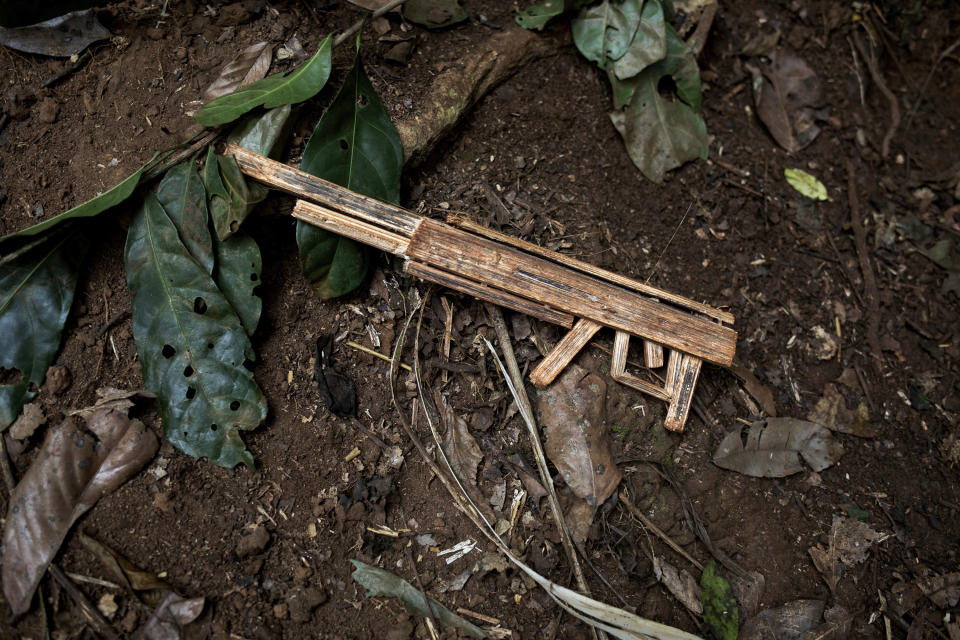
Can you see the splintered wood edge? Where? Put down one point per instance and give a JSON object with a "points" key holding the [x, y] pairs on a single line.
{"points": [[565, 351], [682, 400], [350, 227], [477, 290]]}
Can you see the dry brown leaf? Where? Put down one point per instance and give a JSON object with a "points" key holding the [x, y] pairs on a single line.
{"points": [[168, 619], [251, 65], [943, 591], [831, 411], [463, 452], [127, 573], [784, 622], [117, 399], [850, 540], [787, 93], [774, 447], [680, 583], [73, 470], [578, 515], [31, 418], [572, 412], [759, 391]]}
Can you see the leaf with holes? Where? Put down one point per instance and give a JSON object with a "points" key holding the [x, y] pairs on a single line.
{"points": [[182, 196], [662, 134], [36, 290], [356, 146], [191, 343], [237, 274], [603, 32], [297, 85]]}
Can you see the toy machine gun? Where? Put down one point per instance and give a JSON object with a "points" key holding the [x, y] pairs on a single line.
{"points": [[492, 266]]}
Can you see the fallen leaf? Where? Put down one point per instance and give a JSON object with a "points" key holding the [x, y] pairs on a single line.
{"points": [[119, 400], [336, 387], [380, 583], [787, 93], [806, 184], [251, 65], [850, 540], [535, 490], [774, 447], [168, 619], [459, 444], [748, 589], [943, 591], [61, 37], [579, 516], [73, 470], [680, 583], [831, 411], [572, 412], [759, 391], [434, 14], [147, 586], [786, 622], [31, 418]]}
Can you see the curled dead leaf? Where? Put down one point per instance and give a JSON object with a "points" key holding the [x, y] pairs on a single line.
{"points": [[774, 447], [787, 94], [251, 65]]}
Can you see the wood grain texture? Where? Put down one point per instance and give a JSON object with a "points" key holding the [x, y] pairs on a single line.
{"points": [[652, 354], [565, 351], [580, 294], [467, 224], [682, 399], [350, 227], [618, 369]]}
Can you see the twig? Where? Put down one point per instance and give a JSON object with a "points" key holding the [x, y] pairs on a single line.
{"points": [[426, 598], [76, 577], [93, 616], [66, 71], [185, 150], [647, 522], [390, 6], [478, 616], [8, 478], [698, 40], [877, 77], [376, 354], [869, 280]]}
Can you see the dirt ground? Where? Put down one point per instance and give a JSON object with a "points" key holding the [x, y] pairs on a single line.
{"points": [[728, 231]]}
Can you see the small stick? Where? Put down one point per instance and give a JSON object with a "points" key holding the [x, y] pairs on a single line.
{"points": [[885, 90], [8, 478], [869, 280], [93, 616], [390, 6], [426, 598], [76, 577], [660, 534], [447, 324], [478, 616], [376, 354], [698, 40], [66, 71]]}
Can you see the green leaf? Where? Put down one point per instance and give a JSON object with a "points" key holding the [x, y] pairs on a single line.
{"points": [[648, 46], [603, 32], [297, 85], [806, 184], [264, 133], [238, 274], [434, 14], [383, 584], [536, 16], [88, 209], [192, 345], [662, 134], [356, 146], [720, 610], [36, 291], [182, 196]]}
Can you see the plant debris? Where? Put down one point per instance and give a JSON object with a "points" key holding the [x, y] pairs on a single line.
{"points": [[774, 447]]}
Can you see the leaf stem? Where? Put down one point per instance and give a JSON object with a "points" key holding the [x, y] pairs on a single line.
{"points": [[390, 6]]}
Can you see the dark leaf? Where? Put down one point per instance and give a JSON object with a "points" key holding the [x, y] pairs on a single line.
{"points": [[297, 85], [168, 619], [63, 36], [831, 411], [36, 291], [720, 611], [649, 44], [264, 133], [434, 14], [603, 32], [336, 387], [784, 623], [74, 469], [849, 542], [536, 16], [943, 591], [148, 587], [251, 65], [383, 584], [787, 93], [191, 343], [572, 412], [774, 447], [237, 275], [355, 146], [182, 196]]}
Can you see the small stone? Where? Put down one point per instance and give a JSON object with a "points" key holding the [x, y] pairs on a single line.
{"points": [[233, 15], [402, 629], [280, 611], [58, 379], [47, 111], [255, 541], [302, 601], [155, 34], [108, 605], [129, 623], [162, 501], [302, 574]]}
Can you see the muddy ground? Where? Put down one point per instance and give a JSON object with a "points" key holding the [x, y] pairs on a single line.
{"points": [[270, 549]]}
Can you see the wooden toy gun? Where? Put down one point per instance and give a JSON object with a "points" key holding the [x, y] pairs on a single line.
{"points": [[524, 277]]}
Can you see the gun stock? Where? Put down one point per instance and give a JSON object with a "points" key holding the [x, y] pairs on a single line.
{"points": [[525, 277]]}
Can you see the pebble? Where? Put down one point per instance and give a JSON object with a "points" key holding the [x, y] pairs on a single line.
{"points": [[253, 542], [302, 601], [47, 111], [58, 379]]}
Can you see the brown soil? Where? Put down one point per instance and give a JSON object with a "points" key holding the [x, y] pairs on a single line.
{"points": [[728, 231]]}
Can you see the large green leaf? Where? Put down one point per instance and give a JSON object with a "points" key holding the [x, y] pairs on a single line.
{"points": [[36, 291], [662, 133], [603, 32], [88, 209], [356, 146], [191, 343], [297, 85], [264, 133], [649, 43], [238, 274], [182, 196], [536, 16]]}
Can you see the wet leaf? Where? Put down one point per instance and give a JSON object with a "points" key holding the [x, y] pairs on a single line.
{"points": [[787, 94], [662, 134], [649, 44], [147, 586], [63, 36], [603, 32], [831, 411], [36, 291], [784, 623], [88, 209], [774, 447], [297, 85], [168, 619], [74, 469], [572, 412], [680, 583], [336, 387], [536, 16], [251, 65], [434, 14], [355, 146], [850, 540], [192, 345], [383, 584], [182, 196], [806, 184], [720, 611]]}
